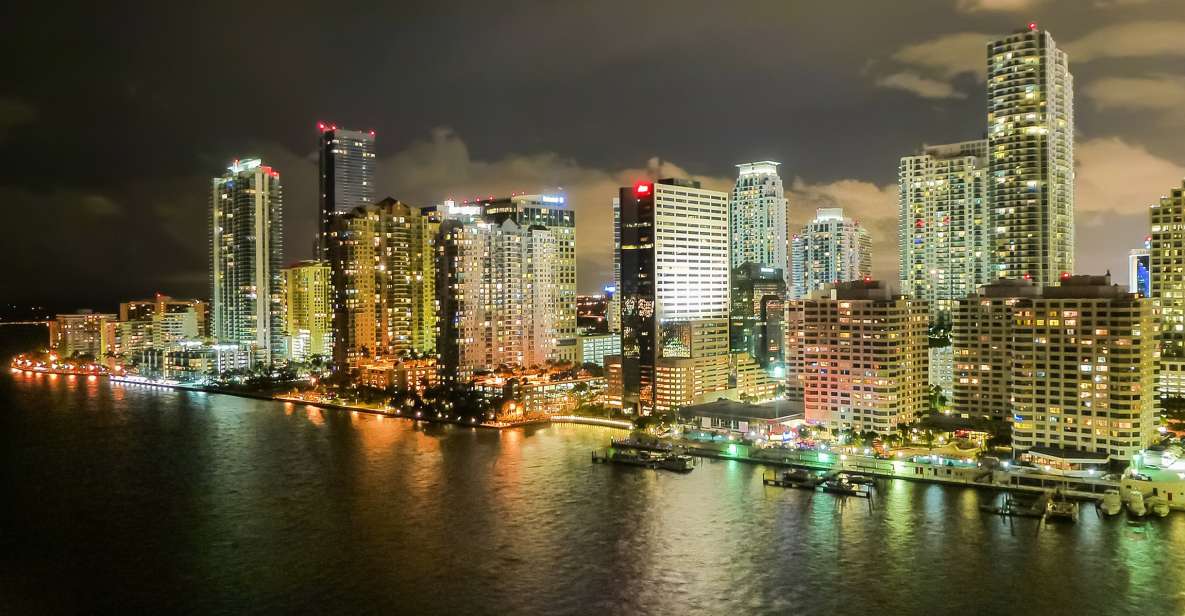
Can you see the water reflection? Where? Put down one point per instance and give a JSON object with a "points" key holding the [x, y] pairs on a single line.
{"points": [[231, 502]]}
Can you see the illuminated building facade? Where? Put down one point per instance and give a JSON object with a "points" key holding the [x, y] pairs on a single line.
{"points": [[378, 257], [864, 357], [246, 252], [757, 212], [943, 224], [497, 286], [308, 310], [981, 339], [829, 249], [674, 294], [1030, 116], [551, 212], [346, 164], [1083, 370], [82, 333], [146, 309]]}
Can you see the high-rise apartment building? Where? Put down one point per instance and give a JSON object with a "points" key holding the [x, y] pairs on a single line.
{"points": [[1166, 274], [613, 314], [1030, 114], [831, 248], [308, 310], [757, 212], [497, 288], [246, 252], [981, 339], [1071, 366], [674, 294], [1083, 371], [943, 219], [378, 262], [553, 213], [347, 161], [757, 315], [863, 354], [1166, 265]]}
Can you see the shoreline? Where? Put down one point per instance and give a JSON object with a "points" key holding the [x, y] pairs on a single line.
{"points": [[501, 425], [948, 474]]}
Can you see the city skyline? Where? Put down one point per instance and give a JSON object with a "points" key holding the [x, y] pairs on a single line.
{"points": [[923, 75]]}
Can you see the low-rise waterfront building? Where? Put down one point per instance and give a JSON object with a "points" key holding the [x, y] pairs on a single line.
{"points": [[193, 362], [408, 374], [770, 421]]}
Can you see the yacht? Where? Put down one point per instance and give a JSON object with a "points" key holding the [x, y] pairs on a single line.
{"points": [[1135, 503], [1159, 506], [1112, 502]]}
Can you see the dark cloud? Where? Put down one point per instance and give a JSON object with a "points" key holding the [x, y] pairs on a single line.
{"points": [[110, 131]]}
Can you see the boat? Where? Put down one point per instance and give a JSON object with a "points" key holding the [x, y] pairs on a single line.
{"points": [[1159, 506], [801, 477], [795, 478], [1112, 502], [1058, 507], [627, 457], [678, 463], [842, 486], [1135, 504]]}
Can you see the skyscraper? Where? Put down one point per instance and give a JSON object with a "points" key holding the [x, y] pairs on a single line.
{"points": [[376, 256], [308, 310], [943, 223], [1030, 114], [830, 249], [346, 174], [674, 294], [613, 313], [757, 217], [246, 251], [1166, 270]]}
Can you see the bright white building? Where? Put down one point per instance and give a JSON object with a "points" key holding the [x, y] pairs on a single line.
{"points": [[674, 293], [757, 210]]}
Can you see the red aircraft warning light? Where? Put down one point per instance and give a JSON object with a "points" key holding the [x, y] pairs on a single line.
{"points": [[1032, 25], [642, 188]]}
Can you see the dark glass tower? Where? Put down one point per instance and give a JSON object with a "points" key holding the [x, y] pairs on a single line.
{"points": [[347, 175]]}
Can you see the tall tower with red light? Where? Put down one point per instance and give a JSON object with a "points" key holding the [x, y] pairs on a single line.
{"points": [[1030, 117]]}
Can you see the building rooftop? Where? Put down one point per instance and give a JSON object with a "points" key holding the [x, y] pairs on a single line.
{"points": [[777, 409]]}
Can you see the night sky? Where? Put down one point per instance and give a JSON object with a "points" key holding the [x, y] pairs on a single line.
{"points": [[113, 117]]}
